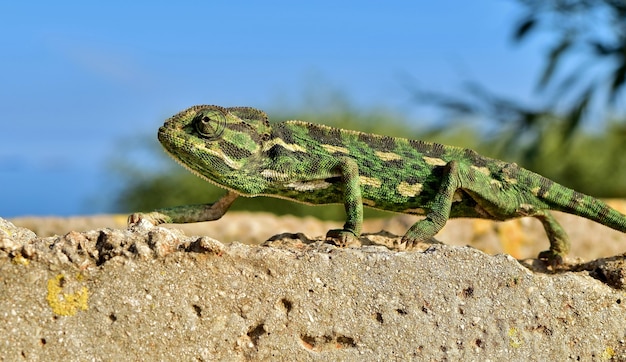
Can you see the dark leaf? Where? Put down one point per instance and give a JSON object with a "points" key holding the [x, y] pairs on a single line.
{"points": [[601, 49], [619, 76], [569, 82], [524, 27], [575, 116], [553, 60], [449, 103]]}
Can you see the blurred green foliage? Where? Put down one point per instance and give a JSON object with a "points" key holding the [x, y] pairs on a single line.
{"points": [[586, 61], [581, 83]]}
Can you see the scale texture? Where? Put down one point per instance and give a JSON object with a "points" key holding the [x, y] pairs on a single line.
{"points": [[237, 149]]}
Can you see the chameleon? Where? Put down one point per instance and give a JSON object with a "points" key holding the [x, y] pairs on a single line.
{"points": [[239, 150]]}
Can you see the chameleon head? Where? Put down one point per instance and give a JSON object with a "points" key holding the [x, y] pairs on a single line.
{"points": [[213, 141]]}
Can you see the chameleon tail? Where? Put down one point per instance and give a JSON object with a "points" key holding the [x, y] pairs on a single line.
{"points": [[567, 200]]}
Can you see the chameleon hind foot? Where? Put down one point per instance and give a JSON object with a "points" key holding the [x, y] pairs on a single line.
{"points": [[559, 242], [342, 238], [551, 257], [440, 210]]}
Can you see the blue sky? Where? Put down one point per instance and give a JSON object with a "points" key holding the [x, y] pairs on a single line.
{"points": [[76, 77]]}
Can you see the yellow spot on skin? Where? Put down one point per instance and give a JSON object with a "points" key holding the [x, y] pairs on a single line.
{"points": [[65, 304], [484, 170], [370, 181], [535, 191], [511, 181], [368, 202], [526, 209], [434, 161], [496, 183], [408, 190], [388, 156], [309, 186], [221, 155], [418, 211], [267, 173], [333, 149], [288, 146]]}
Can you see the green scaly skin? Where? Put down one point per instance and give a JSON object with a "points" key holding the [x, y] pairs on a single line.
{"points": [[237, 149]]}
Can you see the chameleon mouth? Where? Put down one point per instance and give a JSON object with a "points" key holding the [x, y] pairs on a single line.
{"points": [[168, 137], [189, 168], [198, 174]]}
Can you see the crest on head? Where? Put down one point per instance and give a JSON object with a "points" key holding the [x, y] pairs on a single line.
{"points": [[210, 122]]}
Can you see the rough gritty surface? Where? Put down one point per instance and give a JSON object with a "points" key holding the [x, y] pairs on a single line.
{"points": [[521, 238], [156, 294]]}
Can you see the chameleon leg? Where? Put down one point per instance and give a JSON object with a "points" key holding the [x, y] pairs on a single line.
{"points": [[559, 242], [353, 204], [187, 213], [439, 211]]}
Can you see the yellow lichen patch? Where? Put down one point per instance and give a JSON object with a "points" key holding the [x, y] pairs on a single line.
{"points": [[388, 156], [19, 259], [434, 161], [514, 338], [409, 190], [7, 232], [65, 304], [608, 353], [333, 149], [370, 181]]}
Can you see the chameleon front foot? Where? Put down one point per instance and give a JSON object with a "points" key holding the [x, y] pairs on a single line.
{"points": [[406, 243], [342, 238], [154, 218]]}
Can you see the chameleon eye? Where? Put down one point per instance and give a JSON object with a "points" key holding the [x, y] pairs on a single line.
{"points": [[210, 124]]}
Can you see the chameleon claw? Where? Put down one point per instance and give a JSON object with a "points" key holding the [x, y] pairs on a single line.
{"points": [[405, 243], [342, 238], [134, 219], [152, 218], [552, 257], [400, 245]]}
